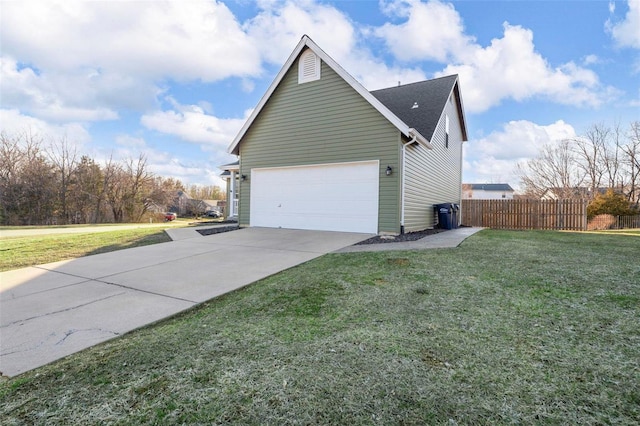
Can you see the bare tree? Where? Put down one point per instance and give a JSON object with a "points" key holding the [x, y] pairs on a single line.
{"points": [[63, 156], [632, 161], [114, 188], [26, 180], [130, 189], [11, 157], [87, 190], [555, 168], [205, 192], [140, 181], [591, 152]]}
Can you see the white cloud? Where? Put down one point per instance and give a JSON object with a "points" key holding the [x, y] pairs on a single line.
{"points": [[75, 60], [279, 26], [591, 59], [432, 31], [508, 68], [14, 122], [493, 158], [75, 95], [195, 39], [192, 123], [165, 164], [626, 33]]}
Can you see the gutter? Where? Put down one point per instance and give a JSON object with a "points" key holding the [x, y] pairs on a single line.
{"points": [[417, 137]]}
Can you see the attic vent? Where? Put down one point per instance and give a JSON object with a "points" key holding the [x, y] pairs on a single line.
{"points": [[308, 67]]}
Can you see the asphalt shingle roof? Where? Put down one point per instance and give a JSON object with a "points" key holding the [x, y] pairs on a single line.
{"points": [[430, 96], [491, 186]]}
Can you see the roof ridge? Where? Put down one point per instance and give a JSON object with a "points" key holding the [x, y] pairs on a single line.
{"points": [[416, 82]]}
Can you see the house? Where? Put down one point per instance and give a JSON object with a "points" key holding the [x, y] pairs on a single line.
{"points": [[571, 193], [487, 191], [321, 152], [180, 204]]}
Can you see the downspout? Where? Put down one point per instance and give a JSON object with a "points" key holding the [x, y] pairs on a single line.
{"points": [[404, 177]]}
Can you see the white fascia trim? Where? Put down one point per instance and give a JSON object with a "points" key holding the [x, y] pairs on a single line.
{"points": [[355, 84], [417, 137], [307, 42], [456, 84]]}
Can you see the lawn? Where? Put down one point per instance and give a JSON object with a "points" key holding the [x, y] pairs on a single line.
{"points": [[511, 327], [19, 252]]}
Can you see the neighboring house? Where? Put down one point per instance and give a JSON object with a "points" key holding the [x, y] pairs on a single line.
{"points": [[574, 193], [487, 191], [180, 204], [321, 152]]}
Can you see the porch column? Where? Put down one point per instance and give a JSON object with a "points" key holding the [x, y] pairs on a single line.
{"points": [[232, 195]]}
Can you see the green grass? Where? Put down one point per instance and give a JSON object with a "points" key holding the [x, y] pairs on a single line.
{"points": [[510, 328], [635, 232], [20, 252]]}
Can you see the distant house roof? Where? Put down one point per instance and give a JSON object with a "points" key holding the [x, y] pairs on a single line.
{"points": [[421, 104], [405, 128], [490, 186], [231, 166], [228, 167]]}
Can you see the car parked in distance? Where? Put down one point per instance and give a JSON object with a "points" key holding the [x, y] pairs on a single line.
{"points": [[214, 214], [169, 216]]}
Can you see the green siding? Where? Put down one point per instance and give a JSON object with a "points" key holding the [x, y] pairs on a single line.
{"points": [[324, 121], [433, 176]]}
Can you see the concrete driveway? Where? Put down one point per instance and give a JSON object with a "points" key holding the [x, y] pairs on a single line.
{"points": [[53, 310]]}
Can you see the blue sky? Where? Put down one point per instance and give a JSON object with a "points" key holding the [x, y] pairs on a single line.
{"points": [[175, 80]]}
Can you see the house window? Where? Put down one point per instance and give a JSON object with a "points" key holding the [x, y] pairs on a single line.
{"points": [[446, 129], [308, 67]]}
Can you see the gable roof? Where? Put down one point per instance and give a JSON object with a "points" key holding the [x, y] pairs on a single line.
{"points": [[422, 104], [305, 43], [490, 186]]}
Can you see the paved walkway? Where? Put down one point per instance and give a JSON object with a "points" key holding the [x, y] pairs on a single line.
{"points": [[50, 311], [448, 239]]}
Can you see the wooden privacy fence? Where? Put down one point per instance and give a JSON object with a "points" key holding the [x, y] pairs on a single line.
{"points": [[525, 214], [624, 222]]}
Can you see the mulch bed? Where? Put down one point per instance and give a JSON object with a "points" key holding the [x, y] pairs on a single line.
{"points": [[409, 236], [218, 230], [379, 239]]}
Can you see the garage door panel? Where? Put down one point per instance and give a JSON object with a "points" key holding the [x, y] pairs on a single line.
{"points": [[337, 197]]}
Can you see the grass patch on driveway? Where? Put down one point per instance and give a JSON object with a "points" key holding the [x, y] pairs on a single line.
{"points": [[20, 252], [511, 327]]}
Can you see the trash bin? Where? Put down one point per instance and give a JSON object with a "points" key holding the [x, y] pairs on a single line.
{"points": [[445, 215], [455, 220]]}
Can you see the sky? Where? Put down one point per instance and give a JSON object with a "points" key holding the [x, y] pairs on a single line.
{"points": [[176, 80]]}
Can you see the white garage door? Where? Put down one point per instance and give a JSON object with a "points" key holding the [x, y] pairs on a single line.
{"points": [[329, 197]]}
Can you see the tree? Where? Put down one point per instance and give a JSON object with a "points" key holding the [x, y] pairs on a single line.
{"points": [[114, 188], [63, 156], [554, 168], [590, 151], [632, 162], [137, 195], [87, 190], [11, 157], [610, 202], [205, 192], [27, 181]]}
